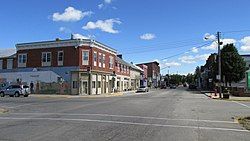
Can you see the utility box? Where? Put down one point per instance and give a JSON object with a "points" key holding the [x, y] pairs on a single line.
{"points": [[248, 80]]}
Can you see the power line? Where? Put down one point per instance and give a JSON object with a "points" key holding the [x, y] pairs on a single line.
{"points": [[161, 44], [236, 31], [171, 47], [185, 51]]}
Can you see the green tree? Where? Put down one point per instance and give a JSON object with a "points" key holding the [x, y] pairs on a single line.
{"points": [[233, 66]]}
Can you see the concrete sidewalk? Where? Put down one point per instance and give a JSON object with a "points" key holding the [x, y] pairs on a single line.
{"points": [[233, 98], [76, 96]]}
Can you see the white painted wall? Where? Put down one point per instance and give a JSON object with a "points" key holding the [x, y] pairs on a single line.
{"points": [[41, 76], [99, 78], [94, 79]]}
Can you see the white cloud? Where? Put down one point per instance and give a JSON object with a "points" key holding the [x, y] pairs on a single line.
{"points": [[108, 1], [172, 64], [105, 4], [7, 52], [195, 50], [190, 59], [71, 15], [147, 36], [100, 6], [214, 45], [64, 29], [105, 26], [79, 36], [245, 44]]}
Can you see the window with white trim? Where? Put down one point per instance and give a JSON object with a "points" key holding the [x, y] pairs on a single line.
{"points": [[9, 63], [103, 60], [75, 85], [60, 56], [22, 60], [85, 57], [111, 62], [46, 58], [100, 60], [95, 58]]}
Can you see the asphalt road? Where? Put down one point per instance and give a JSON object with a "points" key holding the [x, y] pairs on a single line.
{"points": [[174, 115]]}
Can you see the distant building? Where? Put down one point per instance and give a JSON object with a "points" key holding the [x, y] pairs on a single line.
{"points": [[153, 73], [144, 75]]}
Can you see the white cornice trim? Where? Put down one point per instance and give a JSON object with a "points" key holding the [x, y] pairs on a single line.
{"points": [[64, 43]]}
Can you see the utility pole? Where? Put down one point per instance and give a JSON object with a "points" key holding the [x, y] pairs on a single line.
{"points": [[168, 75], [219, 63]]}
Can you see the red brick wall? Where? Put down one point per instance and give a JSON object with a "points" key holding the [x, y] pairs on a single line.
{"points": [[5, 62], [107, 54], [145, 70], [119, 72], [35, 56]]}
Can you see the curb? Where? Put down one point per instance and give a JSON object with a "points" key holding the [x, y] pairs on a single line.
{"points": [[78, 96]]}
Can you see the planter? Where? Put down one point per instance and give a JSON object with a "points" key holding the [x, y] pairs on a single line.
{"points": [[225, 96]]}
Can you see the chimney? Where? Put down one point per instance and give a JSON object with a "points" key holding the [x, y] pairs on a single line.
{"points": [[119, 55], [71, 36]]}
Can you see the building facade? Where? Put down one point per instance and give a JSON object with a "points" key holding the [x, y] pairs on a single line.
{"points": [[83, 66], [144, 75], [153, 73]]}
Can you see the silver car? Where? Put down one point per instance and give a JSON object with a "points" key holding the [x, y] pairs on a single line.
{"points": [[142, 89], [15, 90]]}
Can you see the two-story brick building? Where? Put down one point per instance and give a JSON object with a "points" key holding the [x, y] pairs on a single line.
{"points": [[85, 65], [153, 73], [144, 75]]}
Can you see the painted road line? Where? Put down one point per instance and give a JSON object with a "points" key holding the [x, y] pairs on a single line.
{"points": [[241, 104], [125, 116], [12, 107], [127, 123]]}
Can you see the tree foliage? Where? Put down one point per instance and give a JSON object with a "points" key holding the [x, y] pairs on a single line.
{"points": [[233, 66]]}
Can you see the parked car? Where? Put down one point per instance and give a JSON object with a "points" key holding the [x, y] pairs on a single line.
{"points": [[142, 89], [163, 87], [172, 86], [192, 87], [15, 90]]}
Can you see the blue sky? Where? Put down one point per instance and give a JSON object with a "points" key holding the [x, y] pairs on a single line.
{"points": [[142, 30]]}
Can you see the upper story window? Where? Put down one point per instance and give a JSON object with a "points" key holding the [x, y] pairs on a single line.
{"points": [[95, 58], [9, 63], [111, 62], [22, 60], [60, 56], [118, 67], [46, 59], [103, 60], [85, 57], [100, 60]]}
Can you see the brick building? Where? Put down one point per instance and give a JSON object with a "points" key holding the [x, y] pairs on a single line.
{"points": [[153, 73], [144, 75], [85, 66]]}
